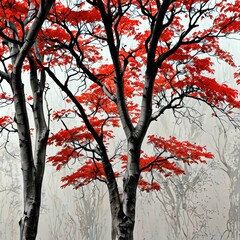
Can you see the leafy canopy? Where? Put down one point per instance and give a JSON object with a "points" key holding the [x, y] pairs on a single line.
{"points": [[126, 61]]}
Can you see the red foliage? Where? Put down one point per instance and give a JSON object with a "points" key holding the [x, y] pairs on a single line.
{"points": [[5, 120], [4, 96], [77, 37], [170, 152], [70, 135], [183, 150], [62, 157], [146, 186], [188, 70], [88, 172]]}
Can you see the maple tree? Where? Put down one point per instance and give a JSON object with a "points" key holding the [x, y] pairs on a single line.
{"points": [[20, 22], [123, 51], [125, 64]]}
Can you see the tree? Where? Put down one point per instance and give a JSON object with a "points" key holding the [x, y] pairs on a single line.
{"points": [[126, 63], [231, 168], [9, 192], [85, 217], [187, 199], [19, 25]]}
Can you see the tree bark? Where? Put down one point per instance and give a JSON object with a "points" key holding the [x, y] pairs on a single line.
{"points": [[123, 220], [32, 161], [32, 165], [232, 170]]}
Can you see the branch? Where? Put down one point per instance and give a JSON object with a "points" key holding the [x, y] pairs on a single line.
{"points": [[5, 76], [106, 163], [156, 33], [35, 28], [81, 65], [119, 80], [170, 105]]}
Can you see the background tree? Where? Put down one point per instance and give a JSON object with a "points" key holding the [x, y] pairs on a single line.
{"points": [[126, 63], [227, 147], [84, 219], [187, 199], [19, 25], [9, 192]]}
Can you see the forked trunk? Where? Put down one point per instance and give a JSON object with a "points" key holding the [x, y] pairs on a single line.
{"points": [[123, 216], [32, 191], [32, 161]]}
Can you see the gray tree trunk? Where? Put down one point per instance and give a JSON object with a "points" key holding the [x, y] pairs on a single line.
{"points": [[123, 219], [32, 160], [232, 164], [227, 146]]}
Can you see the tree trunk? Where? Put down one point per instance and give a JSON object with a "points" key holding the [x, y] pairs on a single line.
{"points": [[32, 161], [233, 166], [29, 221], [123, 229], [32, 165], [123, 219]]}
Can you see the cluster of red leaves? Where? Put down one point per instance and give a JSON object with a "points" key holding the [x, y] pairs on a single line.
{"points": [[5, 120], [6, 97], [237, 76], [3, 51], [127, 26], [208, 89], [78, 134], [89, 172], [226, 8], [13, 10], [16, 17], [146, 186], [63, 156], [74, 15], [170, 151], [95, 100], [29, 98], [161, 164], [68, 139], [183, 150]]}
